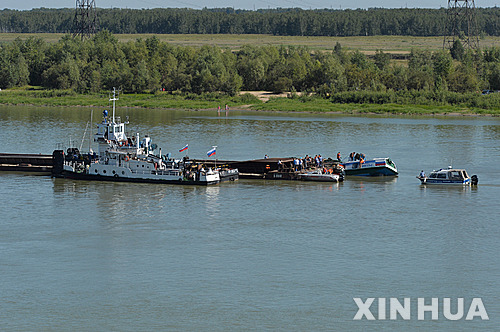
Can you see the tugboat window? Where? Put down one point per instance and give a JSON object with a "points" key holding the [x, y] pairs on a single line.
{"points": [[104, 171]]}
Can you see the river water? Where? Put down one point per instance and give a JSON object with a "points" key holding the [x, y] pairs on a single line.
{"points": [[254, 254]]}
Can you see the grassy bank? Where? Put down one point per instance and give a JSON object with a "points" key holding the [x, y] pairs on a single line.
{"points": [[324, 106], [40, 97], [162, 100]]}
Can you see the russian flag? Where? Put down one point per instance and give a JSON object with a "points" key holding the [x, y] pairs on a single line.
{"points": [[211, 152], [184, 148]]}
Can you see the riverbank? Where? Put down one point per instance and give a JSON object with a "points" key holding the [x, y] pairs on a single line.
{"points": [[254, 100]]}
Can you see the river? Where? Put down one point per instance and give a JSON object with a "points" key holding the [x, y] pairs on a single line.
{"points": [[253, 254]]}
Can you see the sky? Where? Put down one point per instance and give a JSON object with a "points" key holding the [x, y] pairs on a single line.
{"points": [[243, 4]]}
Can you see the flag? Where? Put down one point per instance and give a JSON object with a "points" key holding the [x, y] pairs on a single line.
{"points": [[211, 152], [184, 148]]}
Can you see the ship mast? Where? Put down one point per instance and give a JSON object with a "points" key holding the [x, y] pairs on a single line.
{"points": [[113, 100]]}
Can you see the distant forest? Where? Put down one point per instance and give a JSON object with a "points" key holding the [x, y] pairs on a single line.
{"points": [[284, 22]]}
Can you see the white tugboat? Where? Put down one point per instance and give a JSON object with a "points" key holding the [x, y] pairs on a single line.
{"points": [[128, 159]]}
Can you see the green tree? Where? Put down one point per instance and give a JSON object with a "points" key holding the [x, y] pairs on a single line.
{"points": [[13, 67], [457, 50], [33, 50], [64, 75], [463, 79], [442, 63], [382, 60]]}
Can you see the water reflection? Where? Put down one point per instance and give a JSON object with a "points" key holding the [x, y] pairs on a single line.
{"points": [[446, 191], [212, 205], [118, 202]]}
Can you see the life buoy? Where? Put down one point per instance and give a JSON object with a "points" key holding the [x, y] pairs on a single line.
{"points": [[126, 158]]}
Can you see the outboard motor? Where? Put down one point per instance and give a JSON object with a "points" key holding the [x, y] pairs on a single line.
{"points": [[474, 180]]}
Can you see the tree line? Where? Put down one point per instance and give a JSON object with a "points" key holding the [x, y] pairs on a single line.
{"points": [[289, 22], [149, 65]]}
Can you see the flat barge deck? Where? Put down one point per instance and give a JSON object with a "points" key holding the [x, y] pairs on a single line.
{"points": [[17, 162]]}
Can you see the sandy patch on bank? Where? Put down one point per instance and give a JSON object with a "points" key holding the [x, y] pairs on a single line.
{"points": [[264, 95]]}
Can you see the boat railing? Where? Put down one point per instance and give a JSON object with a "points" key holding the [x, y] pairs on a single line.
{"points": [[157, 172]]}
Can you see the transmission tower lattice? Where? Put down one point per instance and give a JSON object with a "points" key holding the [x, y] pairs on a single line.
{"points": [[461, 24], [85, 22]]}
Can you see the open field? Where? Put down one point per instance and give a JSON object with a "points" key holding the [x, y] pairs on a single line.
{"points": [[368, 44]]}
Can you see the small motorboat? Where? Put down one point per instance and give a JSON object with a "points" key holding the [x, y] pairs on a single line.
{"points": [[319, 175], [448, 176]]}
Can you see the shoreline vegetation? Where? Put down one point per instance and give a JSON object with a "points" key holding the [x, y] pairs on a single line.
{"points": [[155, 74], [246, 101]]}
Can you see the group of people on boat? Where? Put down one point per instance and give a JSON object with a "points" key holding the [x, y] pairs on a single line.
{"points": [[300, 164], [356, 156]]}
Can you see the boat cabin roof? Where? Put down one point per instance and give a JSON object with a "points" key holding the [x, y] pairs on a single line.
{"points": [[451, 173]]}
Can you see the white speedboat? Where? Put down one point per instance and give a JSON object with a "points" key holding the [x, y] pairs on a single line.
{"points": [[319, 175], [130, 159], [448, 176]]}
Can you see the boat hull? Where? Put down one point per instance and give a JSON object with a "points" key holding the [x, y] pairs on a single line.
{"points": [[97, 177], [229, 175], [372, 171], [320, 177]]}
